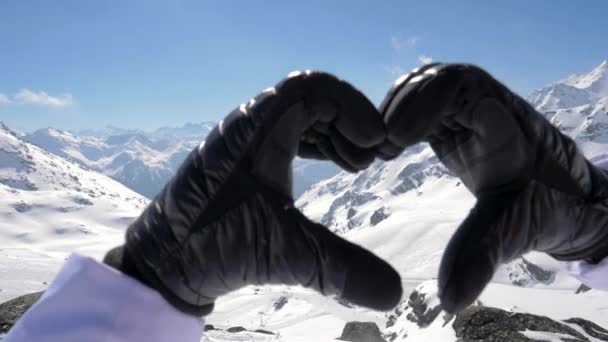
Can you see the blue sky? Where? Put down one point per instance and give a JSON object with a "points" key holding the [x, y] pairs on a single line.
{"points": [[77, 64]]}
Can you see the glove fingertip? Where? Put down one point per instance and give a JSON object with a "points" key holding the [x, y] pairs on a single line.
{"points": [[471, 257], [461, 283], [372, 282]]}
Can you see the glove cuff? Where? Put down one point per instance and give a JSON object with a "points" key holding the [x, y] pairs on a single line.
{"points": [[121, 259]]}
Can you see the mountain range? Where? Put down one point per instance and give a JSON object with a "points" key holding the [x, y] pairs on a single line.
{"points": [[144, 161]]}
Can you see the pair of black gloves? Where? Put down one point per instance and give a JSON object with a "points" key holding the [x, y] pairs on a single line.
{"points": [[227, 218]]}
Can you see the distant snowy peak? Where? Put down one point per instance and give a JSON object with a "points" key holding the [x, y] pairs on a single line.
{"points": [[574, 91], [140, 162], [67, 145], [28, 167], [578, 106], [197, 131], [188, 131], [106, 132], [595, 82], [559, 95]]}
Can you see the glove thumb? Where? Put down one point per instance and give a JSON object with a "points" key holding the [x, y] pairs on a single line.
{"points": [[354, 273], [474, 252]]}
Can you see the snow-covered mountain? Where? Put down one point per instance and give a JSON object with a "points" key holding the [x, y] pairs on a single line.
{"points": [[574, 91], [50, 207], [144, 161], [578, 106], [141, 161]]}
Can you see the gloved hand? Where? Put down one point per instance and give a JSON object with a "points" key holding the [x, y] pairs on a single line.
{"points": [[535, 190], [227, 219]]}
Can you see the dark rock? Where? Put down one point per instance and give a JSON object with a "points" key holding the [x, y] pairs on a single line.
{"points": [[209, 327], [379, 215], [392, 336], [262, 331], [421, 314], [82, 201], [590, 328], [582, 289], [480, 323], [350, 213], [347, 199], [12, 310], [280, 303], [361, 332], [22, 207], [235, 329], [414, 174]]}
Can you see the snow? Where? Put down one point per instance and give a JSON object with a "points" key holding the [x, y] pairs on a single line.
{"points": [[50, 207], [544, 336]]}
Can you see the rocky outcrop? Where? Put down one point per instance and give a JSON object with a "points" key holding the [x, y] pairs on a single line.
{"points": [[419, 311], [582, 289], [422, 312], [480, 323], [414, 174], [280, 303], [235, 329], [349, 199], [361, 332], [379, 215], [590, 328], [12, 310], [524, 273], [265, 332]]}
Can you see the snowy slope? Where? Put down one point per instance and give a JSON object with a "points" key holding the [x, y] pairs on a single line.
{"points": [[50, 207]]}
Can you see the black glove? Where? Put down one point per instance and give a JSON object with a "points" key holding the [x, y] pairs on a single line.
{"points": [[535, 190], [227, 219]]}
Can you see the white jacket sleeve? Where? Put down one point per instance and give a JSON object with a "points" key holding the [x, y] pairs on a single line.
{"points": [[89, 301], [593, 275]]}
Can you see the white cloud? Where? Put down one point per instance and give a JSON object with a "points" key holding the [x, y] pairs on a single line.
{"points": [[400, 43], [4, 99], [424, 59], [41, 98]]}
